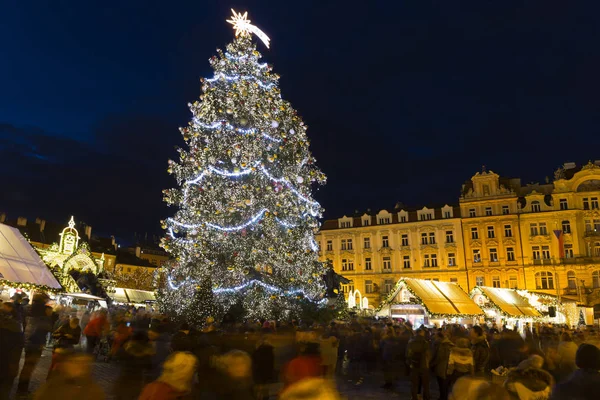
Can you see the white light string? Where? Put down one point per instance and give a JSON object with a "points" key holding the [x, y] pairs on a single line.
{"points": [[271, 288], [227, 125], [231, 78]]}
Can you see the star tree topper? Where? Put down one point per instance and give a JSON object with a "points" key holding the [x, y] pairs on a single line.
{"points": [[242, 26]]}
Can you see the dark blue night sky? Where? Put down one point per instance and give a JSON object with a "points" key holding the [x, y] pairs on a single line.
{"points": [[405, 100]]}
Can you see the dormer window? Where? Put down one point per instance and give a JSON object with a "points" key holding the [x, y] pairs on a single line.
{"points": [[425, 214], [447, 211], [384, 217], [345, 222], [535, 206], [403, 216]]}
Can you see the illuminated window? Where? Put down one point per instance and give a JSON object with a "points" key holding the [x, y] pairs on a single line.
{"points": [[452, 259], [404, 239], [387, 264], [544, 280], [476, 255], [493, 255]]}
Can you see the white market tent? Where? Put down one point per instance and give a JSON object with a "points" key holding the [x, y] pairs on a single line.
{"points": [[506, 301], [19, 263], [438, 299], [135, 296]]}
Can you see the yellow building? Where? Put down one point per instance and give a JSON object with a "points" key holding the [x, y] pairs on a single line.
{"points": [[375, 251], [540, 237], [537, 237]]}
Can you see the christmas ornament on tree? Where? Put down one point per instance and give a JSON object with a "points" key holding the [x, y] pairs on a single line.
{"points": [[244, 197]]}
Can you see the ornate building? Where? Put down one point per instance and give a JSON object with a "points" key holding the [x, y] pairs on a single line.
{"points": [[538, 237], [375, 251]]}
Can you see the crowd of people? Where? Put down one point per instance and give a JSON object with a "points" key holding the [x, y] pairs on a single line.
{"points": [[158, 359]]}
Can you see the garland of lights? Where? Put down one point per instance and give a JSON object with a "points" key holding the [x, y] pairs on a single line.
{"points": [[30, 286]]}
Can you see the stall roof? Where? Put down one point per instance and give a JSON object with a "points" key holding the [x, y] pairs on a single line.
{"points": [[119, 295], [440, 297], [20, 263], [509, 301], [84, 296], [140, 296]]}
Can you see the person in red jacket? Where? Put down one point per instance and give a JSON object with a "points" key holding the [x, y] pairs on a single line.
{"points": [[176, 379], [94, 330], [306, 365]]}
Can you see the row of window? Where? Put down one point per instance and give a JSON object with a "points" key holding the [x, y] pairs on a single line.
{"points": [[384, 220], [493, 253], [429, 261], [589, 203], [426, 238], [512, 281]]}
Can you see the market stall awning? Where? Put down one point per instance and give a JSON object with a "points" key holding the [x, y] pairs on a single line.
{"points": [[119, 295], [439, 298], [508, 301], [19, 263], [83, 296], [140, 296]]}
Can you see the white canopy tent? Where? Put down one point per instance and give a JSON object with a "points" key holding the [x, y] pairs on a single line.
{"points": [[19, 263]]}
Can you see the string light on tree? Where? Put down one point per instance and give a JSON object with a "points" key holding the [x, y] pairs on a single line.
{"points": [[245, 219]]}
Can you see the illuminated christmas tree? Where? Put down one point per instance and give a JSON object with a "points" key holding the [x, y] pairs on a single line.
{"points": [[246, 218]]}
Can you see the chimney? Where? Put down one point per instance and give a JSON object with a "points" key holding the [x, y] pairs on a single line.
{"points": [[114, 242], [88, 232], [138, 251], [42, 225], [2, 217], [21, 221]]}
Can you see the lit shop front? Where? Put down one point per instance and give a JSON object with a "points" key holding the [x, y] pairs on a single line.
{"points": [[505, 307], [426, 302]]}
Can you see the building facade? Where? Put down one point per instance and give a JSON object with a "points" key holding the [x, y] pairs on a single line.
{"points": [[375, 251], [537, 237]]}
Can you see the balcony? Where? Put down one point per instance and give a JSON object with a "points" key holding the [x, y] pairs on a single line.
{"points": [[592, 233], [543, 261]]}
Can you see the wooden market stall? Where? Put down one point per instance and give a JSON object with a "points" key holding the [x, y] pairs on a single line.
{"points": [[21, 268], [427, 302], [505, 306]]}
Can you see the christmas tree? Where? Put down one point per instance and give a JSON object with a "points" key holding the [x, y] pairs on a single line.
{"points": [[246, 218]]}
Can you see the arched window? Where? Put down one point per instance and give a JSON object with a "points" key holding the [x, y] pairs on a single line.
{"points": [[535, 206], [544, 280], [566, 226], [597, 249], [572, 280], [596, 279]]}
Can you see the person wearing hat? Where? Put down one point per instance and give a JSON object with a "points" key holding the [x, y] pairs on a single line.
{"points": [[584, 383]]}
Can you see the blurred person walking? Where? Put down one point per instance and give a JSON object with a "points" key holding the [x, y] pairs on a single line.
{"points": [[439, 362], [11, 347], [418, 356], [460, 362], [95, 329], [135, 360], [175, 382], [311, 389], [481, 350], [37, 326], [583, 384], [72, 381]]}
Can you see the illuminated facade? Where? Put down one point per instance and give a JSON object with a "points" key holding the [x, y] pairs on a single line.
{"points": [[537, 237], [375, 251]]}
